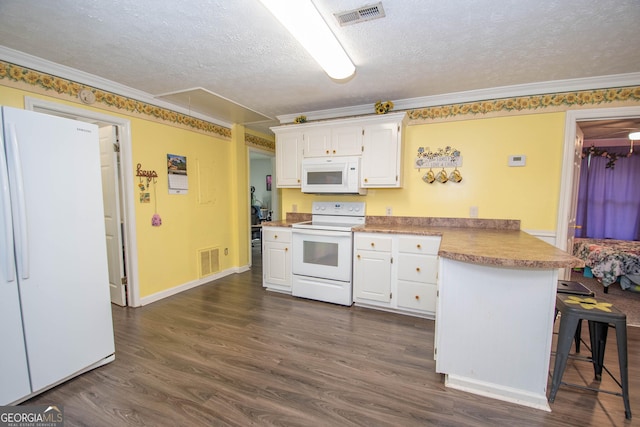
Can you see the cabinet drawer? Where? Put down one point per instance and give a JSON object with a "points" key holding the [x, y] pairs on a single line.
{"points": [[417, 296], [276, 235], [373, 243], [418, 268], [428, 245]]}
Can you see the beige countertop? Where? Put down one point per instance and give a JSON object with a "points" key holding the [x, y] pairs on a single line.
{"points": [[479, 241], [504, 248]]}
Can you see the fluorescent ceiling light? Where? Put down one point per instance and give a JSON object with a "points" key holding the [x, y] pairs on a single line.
{"points": [[304, 22], [634, 136]]}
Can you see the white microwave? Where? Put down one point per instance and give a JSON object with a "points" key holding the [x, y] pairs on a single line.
{"points": [[335, 175]]}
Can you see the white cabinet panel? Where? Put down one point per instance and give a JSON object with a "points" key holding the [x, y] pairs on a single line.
{"points": [[276, 258], [372, 276], [288, 159]]}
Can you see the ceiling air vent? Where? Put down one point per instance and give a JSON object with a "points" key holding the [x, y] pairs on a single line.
{"points": [[365, 13]]}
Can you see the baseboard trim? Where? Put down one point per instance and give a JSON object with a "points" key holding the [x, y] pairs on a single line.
{"points": [[190, 285], [496, 391]]}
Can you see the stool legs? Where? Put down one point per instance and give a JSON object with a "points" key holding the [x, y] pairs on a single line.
{"points": [[598, 338], [566, 334], [621, 337]]}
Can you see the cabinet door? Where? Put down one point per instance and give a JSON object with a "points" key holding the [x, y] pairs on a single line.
{"points": [[288, 159], [372, 276], [381, 156], [346, 140], [317, 142], [277, 264]]}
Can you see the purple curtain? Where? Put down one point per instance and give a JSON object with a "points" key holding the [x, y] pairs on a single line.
{"points": [[609, 199]]}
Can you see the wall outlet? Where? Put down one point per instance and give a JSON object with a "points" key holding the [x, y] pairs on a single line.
{"points": [[473, 212], [294, 208], [389, 211], [226, 251]]}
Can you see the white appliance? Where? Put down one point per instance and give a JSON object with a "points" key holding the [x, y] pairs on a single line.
{"points": [[322, 252], [335, 175], [55, 310]]}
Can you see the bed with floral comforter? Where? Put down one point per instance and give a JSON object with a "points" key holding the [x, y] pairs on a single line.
{"points": [[609, 259]]}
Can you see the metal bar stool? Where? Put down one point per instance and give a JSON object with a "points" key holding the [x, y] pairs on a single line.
{"points": [[574, 288], [600, 316]]}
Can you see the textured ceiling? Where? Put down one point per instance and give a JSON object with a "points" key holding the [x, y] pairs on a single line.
{"points": [[237, 50]]}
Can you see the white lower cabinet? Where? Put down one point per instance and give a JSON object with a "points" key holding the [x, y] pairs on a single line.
{"points": [[396, 272], [372, 268], [276, 259]]}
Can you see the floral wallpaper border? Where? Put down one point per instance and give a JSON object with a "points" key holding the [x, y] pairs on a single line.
{"points": [[17, 75], [67, 88], [256, 141], [528, 104]]}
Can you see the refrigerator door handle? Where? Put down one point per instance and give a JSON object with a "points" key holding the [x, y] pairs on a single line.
{"points": [[6, 207], [20, 219]]}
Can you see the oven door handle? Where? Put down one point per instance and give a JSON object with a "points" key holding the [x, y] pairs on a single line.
{"points": [[328, 233]]}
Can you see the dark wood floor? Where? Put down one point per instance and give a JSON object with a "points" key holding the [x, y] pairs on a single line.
{"points": [[230, 353]]}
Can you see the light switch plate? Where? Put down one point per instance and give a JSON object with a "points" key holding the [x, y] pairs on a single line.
{"points": [[517, 160]]}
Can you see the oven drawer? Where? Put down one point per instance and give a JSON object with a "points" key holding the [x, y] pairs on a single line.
{"points": [[280, 235], [427, 245], [374, 242]]}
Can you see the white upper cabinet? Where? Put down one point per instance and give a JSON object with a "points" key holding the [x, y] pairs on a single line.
{"points": [[288, 158], [333, 141], [382, 156], [377, 139]]}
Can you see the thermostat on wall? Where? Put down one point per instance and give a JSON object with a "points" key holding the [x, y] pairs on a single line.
{"points": [[517, 160]]}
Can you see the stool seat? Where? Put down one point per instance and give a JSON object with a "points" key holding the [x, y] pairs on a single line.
{"points": [[600, 316], [574, 288]]}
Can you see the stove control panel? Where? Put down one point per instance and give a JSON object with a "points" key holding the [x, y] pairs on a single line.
{"points": [[339, 208]]}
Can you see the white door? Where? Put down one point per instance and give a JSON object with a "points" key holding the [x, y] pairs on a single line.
{"points": [[14, 373], [571, 222], [112, 222]]}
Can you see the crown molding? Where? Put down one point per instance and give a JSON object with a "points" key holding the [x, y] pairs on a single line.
{"points": [[549, 87], [29, 61], [540, 88]]}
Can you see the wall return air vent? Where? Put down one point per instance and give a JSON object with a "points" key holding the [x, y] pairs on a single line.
{"points": [[361, 14]]}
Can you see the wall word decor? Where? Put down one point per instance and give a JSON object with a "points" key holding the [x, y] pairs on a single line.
{"points": [[447, 157]]}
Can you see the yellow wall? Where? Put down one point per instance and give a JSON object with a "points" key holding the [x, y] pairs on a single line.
{"points": [[207, 216], [528, 193]]}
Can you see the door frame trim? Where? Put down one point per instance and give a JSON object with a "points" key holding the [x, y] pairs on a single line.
{"points": [[572, 119], [126, 157]]}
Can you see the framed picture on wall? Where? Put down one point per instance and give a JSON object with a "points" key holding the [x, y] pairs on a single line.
{"points": [[268, 182]]}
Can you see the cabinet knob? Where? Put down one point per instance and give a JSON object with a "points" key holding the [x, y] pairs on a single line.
{"points": [[418, 269], [275, 236], [358, 256], [327, 152], [418, 246], [298, 181], [373, 244], [286, 249], [366, 180], [417, 297], [334, 151]]}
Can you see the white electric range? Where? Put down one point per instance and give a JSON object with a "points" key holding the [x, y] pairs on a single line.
{"points": [[322, 252]]}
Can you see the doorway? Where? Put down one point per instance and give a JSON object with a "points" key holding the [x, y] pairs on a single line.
{"points": [[569, 179], [263, 196], [122, 189]]}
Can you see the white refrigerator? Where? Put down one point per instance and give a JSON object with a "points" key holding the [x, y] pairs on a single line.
{"points": [[55, 310]]}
